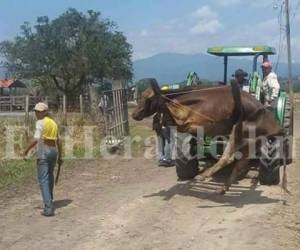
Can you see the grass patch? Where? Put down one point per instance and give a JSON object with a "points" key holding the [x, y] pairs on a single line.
{"points": [[140, 132], [15, 172]]}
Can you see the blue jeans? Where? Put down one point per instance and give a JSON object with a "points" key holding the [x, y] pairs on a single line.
{"points": [[165, 145], [45, 169]]}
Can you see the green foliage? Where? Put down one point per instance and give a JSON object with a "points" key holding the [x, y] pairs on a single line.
{"points": [[103, 86], [69, 52]]}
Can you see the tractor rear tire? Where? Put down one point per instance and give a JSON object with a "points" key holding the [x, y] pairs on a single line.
{"points": [[269, 178], [269, 172], [269, 169], [187, 166], [288, 126]]}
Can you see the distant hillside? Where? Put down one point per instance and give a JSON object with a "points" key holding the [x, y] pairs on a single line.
{"points": [[173, 67]]}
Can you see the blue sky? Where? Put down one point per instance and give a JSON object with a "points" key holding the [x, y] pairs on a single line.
{"points": [[156, 26]]}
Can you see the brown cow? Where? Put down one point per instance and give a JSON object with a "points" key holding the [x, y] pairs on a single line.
{"points": [[219, 111]]}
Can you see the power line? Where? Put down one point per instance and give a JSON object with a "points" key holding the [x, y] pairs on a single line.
{"points": [[295, 10], [282, 27], [281, 37], [289, 53]]}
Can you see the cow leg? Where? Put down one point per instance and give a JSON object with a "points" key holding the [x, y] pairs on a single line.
{"points": [[237, 169], [225, 159], [239, 166]]}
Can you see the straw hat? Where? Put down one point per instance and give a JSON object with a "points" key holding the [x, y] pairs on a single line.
{"points": [[41, 107]]}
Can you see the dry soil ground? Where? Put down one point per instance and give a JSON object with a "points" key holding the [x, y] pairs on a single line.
{"points": [[133, 204]]}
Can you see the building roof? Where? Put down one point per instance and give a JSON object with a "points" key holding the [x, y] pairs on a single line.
{"points": [[11, 83]]}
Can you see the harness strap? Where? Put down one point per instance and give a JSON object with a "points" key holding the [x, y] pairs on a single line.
{"points": [[194, 90], [185, 107]]}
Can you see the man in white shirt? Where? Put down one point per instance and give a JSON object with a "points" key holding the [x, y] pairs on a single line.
{"points": [[270, 85]]}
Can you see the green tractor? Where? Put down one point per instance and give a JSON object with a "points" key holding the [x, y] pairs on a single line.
{"points": [[191, 81], [283, 112]]}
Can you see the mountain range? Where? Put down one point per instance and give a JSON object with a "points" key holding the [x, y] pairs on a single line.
{"points": [[174, 67]]}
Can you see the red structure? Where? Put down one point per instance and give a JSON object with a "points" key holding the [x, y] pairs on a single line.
{"points": [[11, 83]]}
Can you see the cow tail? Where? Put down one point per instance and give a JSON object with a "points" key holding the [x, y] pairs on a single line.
{"points": [[238, 113]]}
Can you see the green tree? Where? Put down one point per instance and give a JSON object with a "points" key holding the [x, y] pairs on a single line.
{"points": [[69, 52]]}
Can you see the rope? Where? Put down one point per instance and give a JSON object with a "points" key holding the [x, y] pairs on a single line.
{"points": [[184, 107], [195, 90], [284, 177]]}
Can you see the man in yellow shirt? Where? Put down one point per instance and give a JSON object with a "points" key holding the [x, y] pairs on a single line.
{"points": [[48, 151]]}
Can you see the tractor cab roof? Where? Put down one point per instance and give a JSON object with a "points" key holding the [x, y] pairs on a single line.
{"points": [[242, 50]]}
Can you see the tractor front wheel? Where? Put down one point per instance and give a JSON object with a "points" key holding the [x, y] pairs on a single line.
{"points": [[187, 166]]}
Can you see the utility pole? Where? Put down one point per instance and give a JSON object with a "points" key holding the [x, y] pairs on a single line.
{"points": [[290, 86]]}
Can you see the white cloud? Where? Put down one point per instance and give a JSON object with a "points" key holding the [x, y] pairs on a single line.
{"points": [[172, 36], [207, 21], [265, 33], [206, 27], [227, 2], [194, 32], [205, 12], [268, 29], [144, 32], [265, 3], [249, 3]]}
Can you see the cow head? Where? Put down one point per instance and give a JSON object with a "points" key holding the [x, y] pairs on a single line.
{"points": [[150, 101]]}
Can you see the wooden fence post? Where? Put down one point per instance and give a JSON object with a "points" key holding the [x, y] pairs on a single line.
{"points": [[93, 103], [11, 103], [81, 104], [26, 110], [64, 109]]}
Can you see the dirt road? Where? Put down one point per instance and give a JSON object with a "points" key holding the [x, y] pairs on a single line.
{"points": [[133, 204]]}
